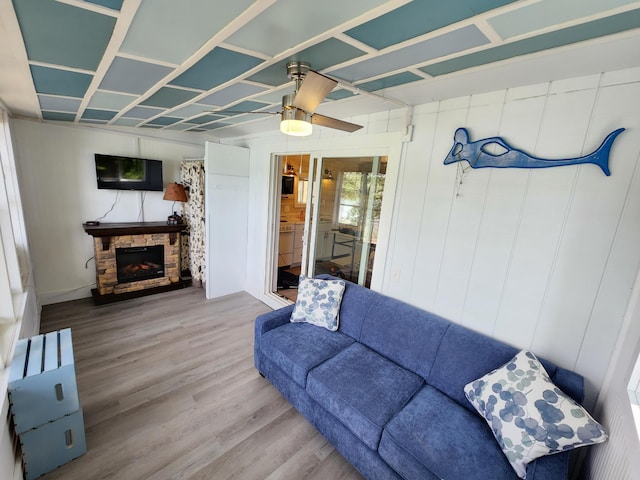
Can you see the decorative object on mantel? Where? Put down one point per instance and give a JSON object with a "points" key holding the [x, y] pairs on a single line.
{"points": [[175, 192], [495, 152]]}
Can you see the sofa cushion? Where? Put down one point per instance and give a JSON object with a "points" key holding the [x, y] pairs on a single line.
{"points": [[433, 435], [318, 302], [356, 303], [403, 333], [530, 417], [363, 390], [298, 347]]}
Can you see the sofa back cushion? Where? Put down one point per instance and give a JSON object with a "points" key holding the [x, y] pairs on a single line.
{"points": [[356, 302], [405, 334], [465, 355]]}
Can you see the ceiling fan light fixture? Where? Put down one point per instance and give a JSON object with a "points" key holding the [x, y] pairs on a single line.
{"points": [[295, 122]]}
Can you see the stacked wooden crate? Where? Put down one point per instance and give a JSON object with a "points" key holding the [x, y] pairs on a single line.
{"points": [[45, 407]]}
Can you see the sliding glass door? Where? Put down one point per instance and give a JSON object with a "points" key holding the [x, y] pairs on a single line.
{"points": [[343, 215]]}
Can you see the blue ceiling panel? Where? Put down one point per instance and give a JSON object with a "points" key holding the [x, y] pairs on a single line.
{"points": [[142, 112], [390, 81], [61, 34], [126, 122], [168, 97], [586, 31], [231, 94], [452, 42], [246, 106], [205, 119], [111, 101], [172, 31], [547, 13], [132, 76], [417, 18], [93, 114], [164, 121], [213, 126], [60, 82], [112, 4], [340, 94], [179, 126], [290, 22], [59, 104], [276, 95], [217, 67], [59, 116], [190, 110], [321, 56], [244, 118]]}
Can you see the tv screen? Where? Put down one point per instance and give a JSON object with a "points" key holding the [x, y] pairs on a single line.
{"points": [[127, 173]]}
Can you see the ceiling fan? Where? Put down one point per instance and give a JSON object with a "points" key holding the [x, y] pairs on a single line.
{"points": [[297, 114]]}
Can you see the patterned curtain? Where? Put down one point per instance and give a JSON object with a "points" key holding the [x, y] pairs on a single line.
{"points": [[193, 246]]}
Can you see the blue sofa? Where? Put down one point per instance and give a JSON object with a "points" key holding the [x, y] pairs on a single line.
{"points": [[387, 389]]}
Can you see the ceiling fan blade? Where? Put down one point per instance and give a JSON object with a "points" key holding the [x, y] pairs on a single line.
{"points": [[325, 121], [315, 87]]}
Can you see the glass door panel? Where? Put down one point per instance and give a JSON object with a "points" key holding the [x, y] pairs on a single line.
{"points": [[344, 215]]}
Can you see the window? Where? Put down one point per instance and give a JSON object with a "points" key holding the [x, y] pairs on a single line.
{"points": [[354, 196], [14, 263]]}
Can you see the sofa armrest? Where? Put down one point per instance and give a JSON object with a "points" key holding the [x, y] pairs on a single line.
{"points": [[270, 320]]}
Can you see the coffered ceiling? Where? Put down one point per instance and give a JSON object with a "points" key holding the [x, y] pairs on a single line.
{"points": [[173, 65]]}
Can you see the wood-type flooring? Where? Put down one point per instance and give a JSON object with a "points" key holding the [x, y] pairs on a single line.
{"points": [[169, 391]]}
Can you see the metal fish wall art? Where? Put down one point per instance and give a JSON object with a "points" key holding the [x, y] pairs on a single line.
{"points": [[495, 152]]}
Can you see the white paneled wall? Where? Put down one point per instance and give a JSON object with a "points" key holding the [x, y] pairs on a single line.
{"points": [[540, 258]]}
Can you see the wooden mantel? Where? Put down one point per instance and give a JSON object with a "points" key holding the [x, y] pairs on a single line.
{"points": [[108, 230], [131, 228]]}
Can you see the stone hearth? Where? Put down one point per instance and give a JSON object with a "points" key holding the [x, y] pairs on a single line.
{"points": [[111, 236]]}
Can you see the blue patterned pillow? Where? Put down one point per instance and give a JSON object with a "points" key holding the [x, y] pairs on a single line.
{"points": [[318, 302], [529, 416]]}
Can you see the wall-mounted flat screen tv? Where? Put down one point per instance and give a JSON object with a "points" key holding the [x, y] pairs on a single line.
{"points": [[127, 173]]}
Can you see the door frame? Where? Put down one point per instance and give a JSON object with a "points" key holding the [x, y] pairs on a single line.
{"points": [[386, 144]]}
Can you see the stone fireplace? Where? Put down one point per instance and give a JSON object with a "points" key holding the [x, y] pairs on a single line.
{"points": [[135, 259]]}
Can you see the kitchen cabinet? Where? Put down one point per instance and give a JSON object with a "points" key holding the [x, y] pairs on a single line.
{"points": [[285, 248], [324, 241]]}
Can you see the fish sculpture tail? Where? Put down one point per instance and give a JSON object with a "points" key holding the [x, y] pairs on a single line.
{"points": [[601, 156]]}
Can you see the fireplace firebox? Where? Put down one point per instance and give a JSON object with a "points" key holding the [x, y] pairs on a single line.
{"points": [[139, 263]]}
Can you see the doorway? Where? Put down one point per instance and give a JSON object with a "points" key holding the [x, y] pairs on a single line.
{"points": [[293, 184], [333, 215]]}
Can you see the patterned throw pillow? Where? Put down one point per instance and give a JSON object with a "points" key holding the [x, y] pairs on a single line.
{"points": [[318, 302], [529, 416]]}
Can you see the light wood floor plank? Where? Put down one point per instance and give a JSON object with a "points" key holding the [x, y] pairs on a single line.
{"points": [[169, 391]]}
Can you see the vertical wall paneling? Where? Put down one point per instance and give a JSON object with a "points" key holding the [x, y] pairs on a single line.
{"points": [[467, 215], [437, 203], [410, 194], [539, 258]]}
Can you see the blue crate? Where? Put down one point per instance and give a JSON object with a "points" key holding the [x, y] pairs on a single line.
{"points": [[42, 380], [53, 444]]}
